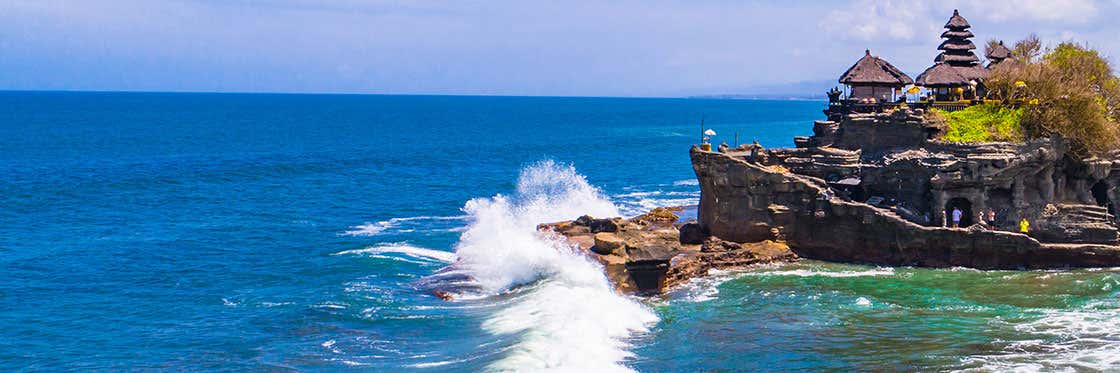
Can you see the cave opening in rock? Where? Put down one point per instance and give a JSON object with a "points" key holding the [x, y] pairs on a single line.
{"points": [[1100, 194], [966, 211]]}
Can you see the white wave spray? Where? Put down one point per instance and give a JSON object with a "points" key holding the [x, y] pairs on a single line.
{"points": [[567, 316], [406, 249]]}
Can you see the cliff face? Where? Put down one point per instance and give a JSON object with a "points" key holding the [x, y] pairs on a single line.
{"points": [[895, 187]]}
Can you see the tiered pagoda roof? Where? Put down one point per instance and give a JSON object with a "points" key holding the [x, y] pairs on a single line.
{"points": [[956, 54], [871, 70], [942, 74]]}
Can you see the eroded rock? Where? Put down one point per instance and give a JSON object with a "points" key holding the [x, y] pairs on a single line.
{"points": [[607, 244], [647, 256]]}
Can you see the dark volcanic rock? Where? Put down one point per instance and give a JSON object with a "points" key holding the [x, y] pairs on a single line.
{"points": [[649, 275], [746, 202], [692, 234]]}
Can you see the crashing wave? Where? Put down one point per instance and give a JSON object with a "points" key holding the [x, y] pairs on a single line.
{"points": [[564, 313]]}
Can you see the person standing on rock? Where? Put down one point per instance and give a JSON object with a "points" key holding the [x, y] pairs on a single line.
{"points": [[1024, 226], [956, 217], [991, 218]]}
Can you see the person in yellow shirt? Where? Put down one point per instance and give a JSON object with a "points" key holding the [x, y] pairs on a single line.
{"points": [[1024, 226]]}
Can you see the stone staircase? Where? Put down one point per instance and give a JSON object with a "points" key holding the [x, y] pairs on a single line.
{"points": [[1084, 213], [1077, 223]]}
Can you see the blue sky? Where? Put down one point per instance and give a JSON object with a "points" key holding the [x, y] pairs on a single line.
{"points": [[499, 47]]}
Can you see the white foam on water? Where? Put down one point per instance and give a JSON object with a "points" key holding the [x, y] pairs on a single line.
{"points": [[705, 288], [640, 206], [384, 226], [1087, 339], [368, 229], [406, 249], [886, 271], [686, 182], [569, 317]]}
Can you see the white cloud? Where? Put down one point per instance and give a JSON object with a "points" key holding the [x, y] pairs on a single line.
{"points": [[877, 20], [1064, 11], [577, 47]]}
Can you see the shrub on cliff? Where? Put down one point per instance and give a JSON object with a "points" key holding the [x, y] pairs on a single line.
{"points": [[983, 123], [1069, 91]]}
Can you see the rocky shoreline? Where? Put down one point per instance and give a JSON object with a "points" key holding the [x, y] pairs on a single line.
{"points": [[651, 253]]}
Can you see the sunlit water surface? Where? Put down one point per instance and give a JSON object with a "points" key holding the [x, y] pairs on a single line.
{"points": [[199, 231]]}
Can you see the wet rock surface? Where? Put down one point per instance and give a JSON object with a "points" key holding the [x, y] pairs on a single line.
{"points": [[650, 253]]}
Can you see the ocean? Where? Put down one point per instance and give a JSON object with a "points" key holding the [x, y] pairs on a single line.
{"points": [[174, 231]]}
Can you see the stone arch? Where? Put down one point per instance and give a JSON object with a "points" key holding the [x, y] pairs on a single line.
{"points": [[966, 211]]}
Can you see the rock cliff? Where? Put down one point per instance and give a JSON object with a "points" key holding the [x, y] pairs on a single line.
{"points": [[879, 188]]}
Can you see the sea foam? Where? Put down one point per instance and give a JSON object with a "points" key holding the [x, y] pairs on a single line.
{"points": [[406, 249], [565, 315], [1063, 340], [400, 225]]}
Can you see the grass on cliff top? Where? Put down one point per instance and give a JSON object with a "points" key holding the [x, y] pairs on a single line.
{"points": [[982, 123]]}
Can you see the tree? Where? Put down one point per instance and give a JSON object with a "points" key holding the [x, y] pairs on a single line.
{"points": [[1069, 91]]}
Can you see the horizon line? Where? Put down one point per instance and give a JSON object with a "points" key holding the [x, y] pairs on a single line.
{"points": [[709, 96]]}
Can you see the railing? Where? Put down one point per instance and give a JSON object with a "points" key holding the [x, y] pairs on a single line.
{"points": [[949, 106], [848, 106]]}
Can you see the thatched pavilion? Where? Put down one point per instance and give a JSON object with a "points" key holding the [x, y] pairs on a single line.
{"points": [[966, 73], [874, 78], [997, 54], [945, 81]]}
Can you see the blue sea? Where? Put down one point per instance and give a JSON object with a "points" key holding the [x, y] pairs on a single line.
{"points": [[168, 231]]}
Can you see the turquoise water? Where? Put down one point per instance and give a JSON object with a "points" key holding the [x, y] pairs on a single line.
{"points": [[234, 232]]}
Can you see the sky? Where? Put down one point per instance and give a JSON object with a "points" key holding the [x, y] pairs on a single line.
{"points": [[659, 48]]}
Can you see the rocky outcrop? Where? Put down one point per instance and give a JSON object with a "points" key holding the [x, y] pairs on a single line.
{"points": [[746, 201], [650, 253], [876, 132]]}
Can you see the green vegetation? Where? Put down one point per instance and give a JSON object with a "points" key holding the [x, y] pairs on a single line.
{"points": [[1068, 91], [982, 123]]}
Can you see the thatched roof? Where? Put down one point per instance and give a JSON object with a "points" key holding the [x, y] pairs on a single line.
{"points": [[942, 75], [956, 44], [957, 59], [874, 70], [998, 53], [957, 34], [956, 22], [977, 72]]}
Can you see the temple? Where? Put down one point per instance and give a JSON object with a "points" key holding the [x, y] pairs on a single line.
{"points": [[874, 78], [875, 182], [953, 82], [997, 55]]}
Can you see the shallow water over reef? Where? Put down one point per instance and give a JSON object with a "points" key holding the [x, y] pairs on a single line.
{"points": [[815, 315]]}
